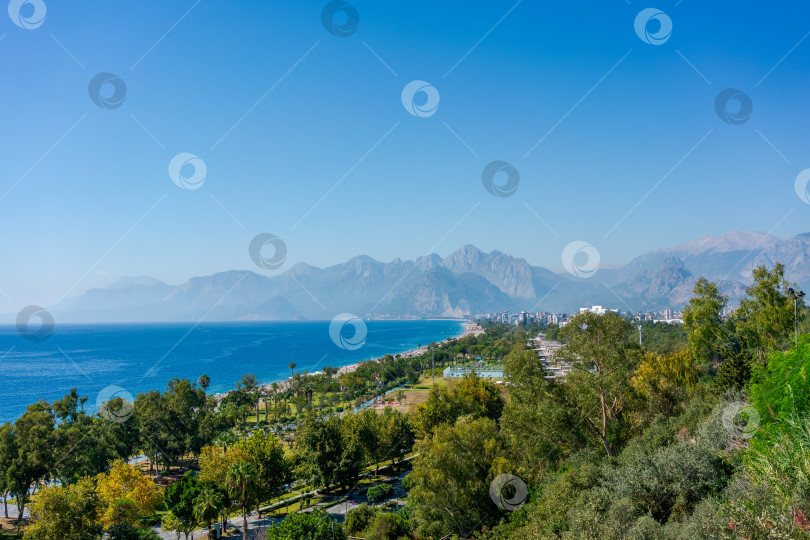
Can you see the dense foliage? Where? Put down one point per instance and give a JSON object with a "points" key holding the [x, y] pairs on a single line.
{"points": [[700, 431]]}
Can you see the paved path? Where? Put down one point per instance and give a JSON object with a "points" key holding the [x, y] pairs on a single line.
{"points": [[339, 511], [12, 511], [254, 522]]}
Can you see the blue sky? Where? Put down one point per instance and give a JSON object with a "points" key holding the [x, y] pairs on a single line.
{"points": [[304, 134]]}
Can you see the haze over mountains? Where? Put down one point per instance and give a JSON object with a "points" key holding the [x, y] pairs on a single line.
{"points": [[466, 282]]}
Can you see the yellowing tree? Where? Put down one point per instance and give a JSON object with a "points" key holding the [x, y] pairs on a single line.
{"points": [[65, 512], [215, 462], [665, 371], [665, 379], [126, 495]]}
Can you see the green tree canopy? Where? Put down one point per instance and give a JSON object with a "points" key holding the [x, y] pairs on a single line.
{"points": [[604, 358], [451, 478], [307, 526], [66, 512], [472, 395]]}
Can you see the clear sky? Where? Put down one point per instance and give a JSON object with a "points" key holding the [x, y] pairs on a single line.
{"points": [[304, 134]]}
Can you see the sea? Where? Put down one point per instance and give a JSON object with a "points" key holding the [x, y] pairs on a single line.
{"points": [[106, 360]]}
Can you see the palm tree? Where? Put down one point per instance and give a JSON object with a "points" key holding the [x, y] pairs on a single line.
{"points": [[224, 439], [266, 395], [204, 381], [273, 399], [292, 368], [207, 506], [240, 487], [249, 384]]}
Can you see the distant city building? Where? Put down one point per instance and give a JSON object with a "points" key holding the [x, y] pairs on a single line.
{"points": [[667, 315], [599, 310]]}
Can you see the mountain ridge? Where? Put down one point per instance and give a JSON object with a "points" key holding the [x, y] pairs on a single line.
{"points": [[466, 282]]}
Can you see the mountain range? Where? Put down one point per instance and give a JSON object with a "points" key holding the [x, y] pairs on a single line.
{"points": [[466, 282]]}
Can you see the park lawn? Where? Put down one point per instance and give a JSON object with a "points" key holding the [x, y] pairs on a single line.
{"points": [[283, 511], [426, 382], [412, 398], [8, 530]]}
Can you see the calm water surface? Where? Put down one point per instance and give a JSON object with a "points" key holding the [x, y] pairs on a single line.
{"points": [[141, 357]]}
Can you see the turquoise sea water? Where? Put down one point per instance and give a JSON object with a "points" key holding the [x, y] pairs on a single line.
{"points": [[139, 357]]}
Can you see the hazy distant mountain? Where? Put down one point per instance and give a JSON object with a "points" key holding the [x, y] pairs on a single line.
{"points": [[730, 256], [466, 282]]}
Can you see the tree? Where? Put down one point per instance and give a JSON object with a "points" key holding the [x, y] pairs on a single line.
{"points": [[396, 434], [702, 320], [358, 519], [204, 381], [267, 456], [177, 422], [412, 376], [665, 379], [170, 522], [379, 493], [8, 452], [603, 358], [65, 512], [765, 319], [86, 444], [292, 368], [388, 526], [126, 495], [315, 525], [539, 426], [32, 436], [472, 395], [329, 451], [366, 426], [179, 499], [207, 507], [240, 479], [236, 404], [215, 462], [452, 476], [249, 386]]}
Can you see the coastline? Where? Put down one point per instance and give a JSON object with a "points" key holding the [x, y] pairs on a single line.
{"points": [[468, 328]]}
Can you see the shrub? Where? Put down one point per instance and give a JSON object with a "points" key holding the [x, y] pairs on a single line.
{"points": [[407, 482], [358, 519], [309, 525], [388, 526], [379, 493]]}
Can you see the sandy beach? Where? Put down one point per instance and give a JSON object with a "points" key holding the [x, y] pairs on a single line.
{"points": [[469, 329]]}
